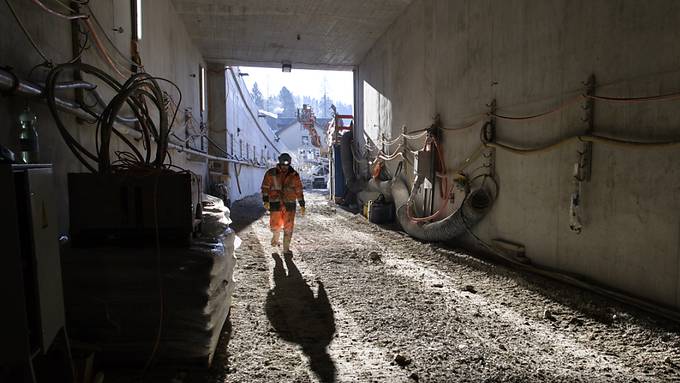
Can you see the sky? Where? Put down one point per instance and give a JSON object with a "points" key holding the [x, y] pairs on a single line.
{"points": [[301, 82]]}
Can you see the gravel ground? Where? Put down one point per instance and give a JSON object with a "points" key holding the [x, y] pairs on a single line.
{"points": [[362, 303]]}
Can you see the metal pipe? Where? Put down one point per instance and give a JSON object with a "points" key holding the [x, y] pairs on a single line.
{"points": [[125, 120], [78, 84], [31, 89], [8, 82], [28, 88]]}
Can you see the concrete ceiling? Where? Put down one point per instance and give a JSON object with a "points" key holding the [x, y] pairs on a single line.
{"points": [[334, 34]]}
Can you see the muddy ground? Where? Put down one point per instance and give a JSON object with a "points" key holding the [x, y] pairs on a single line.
{"points": [[362, 303]]}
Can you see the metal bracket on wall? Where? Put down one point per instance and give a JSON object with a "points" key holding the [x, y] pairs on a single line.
{"points": [[490, 161], [586, 148], [489, 135], [585, 155], [589, 104], [435, 128], [489, 129]]}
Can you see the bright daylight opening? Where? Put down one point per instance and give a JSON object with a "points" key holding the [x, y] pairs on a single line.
{"points": [[300, 107]]}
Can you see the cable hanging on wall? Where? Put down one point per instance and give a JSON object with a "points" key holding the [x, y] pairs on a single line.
{"points": [[86, 20], [138, 92], [589, 136]]}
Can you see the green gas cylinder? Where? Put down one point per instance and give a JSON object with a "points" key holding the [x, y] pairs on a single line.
{"points": [[28, 137]]}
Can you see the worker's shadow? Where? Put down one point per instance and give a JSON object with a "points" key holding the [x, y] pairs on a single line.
{"points": [[299, 317]]}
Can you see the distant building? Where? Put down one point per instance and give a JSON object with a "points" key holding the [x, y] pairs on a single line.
{"points": [[297, 138], [310, 146]]}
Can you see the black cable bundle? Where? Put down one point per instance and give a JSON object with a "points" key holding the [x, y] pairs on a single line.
{"points": [[139, 92]]}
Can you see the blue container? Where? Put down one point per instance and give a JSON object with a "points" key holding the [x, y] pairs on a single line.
{"points": [[339, 175]]}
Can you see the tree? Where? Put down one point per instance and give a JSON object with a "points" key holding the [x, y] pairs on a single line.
{"points": [[257, 96], [272, 104], [287, 103], [343, 108]]}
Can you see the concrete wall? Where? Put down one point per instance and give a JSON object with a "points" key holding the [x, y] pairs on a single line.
{"points": [[453, 57], [166, 51], [236, 127]]}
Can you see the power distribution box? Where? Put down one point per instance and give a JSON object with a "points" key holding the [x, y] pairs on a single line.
{"points": [[30, 276], [422, 167], [120, 207]]}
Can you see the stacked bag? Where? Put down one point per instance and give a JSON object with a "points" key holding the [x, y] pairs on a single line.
{"points": [[117, 297]]}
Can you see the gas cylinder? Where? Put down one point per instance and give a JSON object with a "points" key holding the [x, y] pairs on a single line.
{"points": [[28, 137]]}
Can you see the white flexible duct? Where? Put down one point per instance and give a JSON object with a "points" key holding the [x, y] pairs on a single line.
{"points": [[473, 209]]}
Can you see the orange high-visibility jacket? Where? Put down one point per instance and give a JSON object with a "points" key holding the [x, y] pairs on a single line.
{"points": [[281, 188]]}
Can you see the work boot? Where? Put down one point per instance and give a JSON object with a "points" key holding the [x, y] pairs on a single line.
{"points": [[287, 237], [275, 238]]}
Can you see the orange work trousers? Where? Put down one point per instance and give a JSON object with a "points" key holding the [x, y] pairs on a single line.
{"points": [[282, 219]]}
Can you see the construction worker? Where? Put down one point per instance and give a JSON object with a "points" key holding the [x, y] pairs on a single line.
{"points": [[281, 187]]}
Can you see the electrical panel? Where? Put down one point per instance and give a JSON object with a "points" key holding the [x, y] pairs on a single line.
{"points": [[30, 276], [422, 168]]}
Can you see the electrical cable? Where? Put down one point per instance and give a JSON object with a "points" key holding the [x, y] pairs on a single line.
{"points": [[392, 157], [40, 52], [102, 50], [413, 136], [217, 146], [237, 173], [83, 47], [574, 100], [135, 92], [402, 137], [582, 138], [466, 127], [111, 43], [394, 141], [561, 107], [632, 100], [65, 6], [98, 43], [58, 14]]}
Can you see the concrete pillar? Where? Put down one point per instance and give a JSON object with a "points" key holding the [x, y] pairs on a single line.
{"points": [[217, 105]]}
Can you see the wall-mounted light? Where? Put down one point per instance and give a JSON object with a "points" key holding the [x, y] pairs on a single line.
{"points": [[201, 86], [286, 66], [137, 19]]}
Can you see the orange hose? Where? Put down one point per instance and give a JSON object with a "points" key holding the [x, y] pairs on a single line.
{"points": [[428, 218], [101, 49]]}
